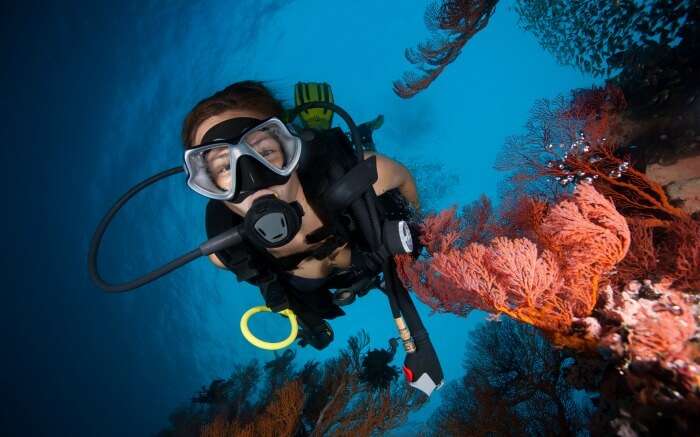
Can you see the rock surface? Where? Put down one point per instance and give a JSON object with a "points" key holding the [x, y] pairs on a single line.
{"points": [[681, 181]]}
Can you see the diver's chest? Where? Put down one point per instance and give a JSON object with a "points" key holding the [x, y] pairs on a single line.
{"points": [[339, 258], [312, 267]]}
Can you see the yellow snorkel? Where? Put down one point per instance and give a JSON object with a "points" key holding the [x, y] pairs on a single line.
{"points": [[270, 346]]}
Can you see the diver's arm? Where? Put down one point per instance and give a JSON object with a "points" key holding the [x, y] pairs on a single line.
{"points": [[392, 174], [217, 262]]}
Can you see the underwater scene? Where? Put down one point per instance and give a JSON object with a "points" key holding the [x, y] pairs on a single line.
{"points": [[325, 218]]}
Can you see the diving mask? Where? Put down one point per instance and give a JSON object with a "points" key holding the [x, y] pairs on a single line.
{"points": [[240, 156]]}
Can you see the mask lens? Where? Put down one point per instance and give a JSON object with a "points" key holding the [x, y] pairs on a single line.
{"points": [[217, 162], [266, 142], [210, 170], [264, 156]]}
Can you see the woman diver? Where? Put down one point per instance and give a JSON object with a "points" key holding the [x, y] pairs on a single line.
{"points": [[242, 124], [296, 212]]}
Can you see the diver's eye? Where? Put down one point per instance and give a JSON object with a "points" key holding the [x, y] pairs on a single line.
{"points": [[258, 136], [224, 169]]}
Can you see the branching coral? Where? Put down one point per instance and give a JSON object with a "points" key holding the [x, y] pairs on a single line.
{"points": [[543, 264], [280, 417], [664, 249], [331, 399], [634, 194], [352, 407], [577, 140], [453, 23], [666, 239], [544, 283], [562, 141], [514, 384]]}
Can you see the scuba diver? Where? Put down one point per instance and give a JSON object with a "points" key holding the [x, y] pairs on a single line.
{"points": [[300, 273], [298, 211]]}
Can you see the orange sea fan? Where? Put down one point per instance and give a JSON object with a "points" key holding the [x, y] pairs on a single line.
{"points": [[589, 237], [545, 283], [664, 249], [435, 227], [687, 261], [524, 276]]}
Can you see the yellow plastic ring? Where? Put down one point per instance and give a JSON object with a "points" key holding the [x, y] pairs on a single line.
{"points": [[266, 344]]}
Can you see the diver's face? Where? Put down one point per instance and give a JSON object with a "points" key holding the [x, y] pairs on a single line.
{"points": [[262, 141], [265, 144]]}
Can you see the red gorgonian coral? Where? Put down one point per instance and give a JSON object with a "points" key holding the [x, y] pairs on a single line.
{"points": [[453, 23], [546, 283], [578, 140]]}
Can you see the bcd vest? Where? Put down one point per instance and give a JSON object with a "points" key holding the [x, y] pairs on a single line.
{"points": [[327, 155]]}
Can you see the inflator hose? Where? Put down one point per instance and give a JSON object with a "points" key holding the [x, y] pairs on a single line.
{"points": [[229, 238]]}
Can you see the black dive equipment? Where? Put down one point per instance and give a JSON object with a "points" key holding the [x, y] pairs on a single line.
{"points": [[273, 223], [421, 365]]}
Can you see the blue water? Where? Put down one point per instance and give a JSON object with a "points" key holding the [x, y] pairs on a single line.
{"points": [[92, 102]]}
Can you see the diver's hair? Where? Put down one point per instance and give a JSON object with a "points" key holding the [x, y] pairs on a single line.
{"points": [[248, 94]]}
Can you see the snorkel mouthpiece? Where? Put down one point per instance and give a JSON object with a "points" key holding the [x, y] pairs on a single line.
{"points": [[271, 222]]}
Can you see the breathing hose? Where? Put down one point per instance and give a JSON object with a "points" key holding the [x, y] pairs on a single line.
{"points": [[228, 238]]}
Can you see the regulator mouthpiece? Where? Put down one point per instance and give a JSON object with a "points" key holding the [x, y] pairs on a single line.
{"points": [[271, 222]]}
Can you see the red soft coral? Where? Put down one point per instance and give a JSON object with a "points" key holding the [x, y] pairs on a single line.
{"points": [[544, 283]]}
